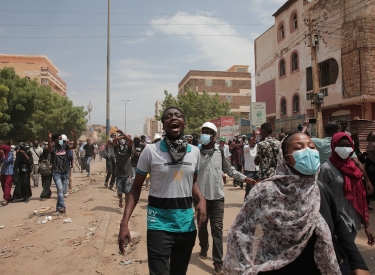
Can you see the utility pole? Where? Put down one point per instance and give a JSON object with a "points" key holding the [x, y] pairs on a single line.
{"points": [[314, 44], [108, 107]]}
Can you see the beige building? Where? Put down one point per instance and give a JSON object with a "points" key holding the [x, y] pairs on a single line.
{"points": [[35, 66], [344, 31], [152, 125], [233, 86]]}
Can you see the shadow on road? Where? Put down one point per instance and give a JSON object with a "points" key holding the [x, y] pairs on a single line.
{"points": [[194, 260], [106, 208]]}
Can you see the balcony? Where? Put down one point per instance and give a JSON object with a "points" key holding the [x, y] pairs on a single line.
{"points": [[57, 84]]}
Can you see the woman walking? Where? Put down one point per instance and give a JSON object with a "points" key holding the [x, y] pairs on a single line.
{"points": [[289, 221], [6, 159], [21, 173], [46, 174], [345, 180]]}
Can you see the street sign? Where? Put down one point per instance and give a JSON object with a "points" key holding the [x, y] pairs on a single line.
{"points": [[258, 113]]}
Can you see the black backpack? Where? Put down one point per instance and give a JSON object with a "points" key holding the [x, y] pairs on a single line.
{"points": [[45, 167]]}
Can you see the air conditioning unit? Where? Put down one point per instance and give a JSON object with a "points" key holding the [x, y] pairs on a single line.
{"points": [[315, 40]]}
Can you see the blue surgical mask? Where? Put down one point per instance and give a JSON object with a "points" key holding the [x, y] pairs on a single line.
{"points": [[61, 142], [205, 139], [307, 161]]}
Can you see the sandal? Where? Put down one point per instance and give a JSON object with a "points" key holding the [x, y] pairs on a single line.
{"points": [[4, 203], [120, 204]]}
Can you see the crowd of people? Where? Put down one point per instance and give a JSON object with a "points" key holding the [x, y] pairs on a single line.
{"points": [[299, 215], [305, 198]]}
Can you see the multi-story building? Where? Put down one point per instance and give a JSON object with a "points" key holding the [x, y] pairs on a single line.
{"points": [[233, 86], [35, 66], [344, 31], [152, 125]]}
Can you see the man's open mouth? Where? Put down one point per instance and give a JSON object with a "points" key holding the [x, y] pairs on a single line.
{"points": [[175, 126]]}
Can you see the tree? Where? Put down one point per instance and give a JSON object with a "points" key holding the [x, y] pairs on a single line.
{"points": [[197, 108], [33, 109]]}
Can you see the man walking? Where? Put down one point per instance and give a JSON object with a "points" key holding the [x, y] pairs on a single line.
{"points": [[123, 150], [36, 152], [89, 154], [268, 149], [173, 167], [60, 165], [211, 185], [237, 158], [110, 161]]}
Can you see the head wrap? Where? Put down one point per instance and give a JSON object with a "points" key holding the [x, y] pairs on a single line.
{"points": [[6, 150], [354, 190], [275, 223]]}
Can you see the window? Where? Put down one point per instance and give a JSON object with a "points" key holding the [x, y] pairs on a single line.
{"points": [[44, 81], [228, 83], [295, 104], [208, 82], [295, 22], [282, 67], [328, 74], [294, 62], [228, 98], [241, 70], [283, 106], [282, 34]]}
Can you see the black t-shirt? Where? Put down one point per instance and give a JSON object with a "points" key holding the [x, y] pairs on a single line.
{"points": [[123, 154], [89, 148], [136, 154], [60, 162]]}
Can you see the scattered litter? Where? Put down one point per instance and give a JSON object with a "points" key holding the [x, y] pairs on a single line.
{"points": [[128, 262], [90, 199], [77, 243], [14, 240], [45, 220], [371, 258], [68, 220], [90, 233], [27, 246], [63, 239], [92, 229], [17, 225], [41, 210], [2, 226]]}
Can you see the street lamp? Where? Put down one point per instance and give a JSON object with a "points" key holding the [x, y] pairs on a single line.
{"points": [[125, 100]]}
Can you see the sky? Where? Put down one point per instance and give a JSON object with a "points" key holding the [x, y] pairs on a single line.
{"points": [[153, 46]]}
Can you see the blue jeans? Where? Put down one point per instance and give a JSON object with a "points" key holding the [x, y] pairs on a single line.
{"points": [[61, 180], [88, 160]]}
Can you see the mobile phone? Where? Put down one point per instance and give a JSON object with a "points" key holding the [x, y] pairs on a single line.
{"points": [[312, 120]]}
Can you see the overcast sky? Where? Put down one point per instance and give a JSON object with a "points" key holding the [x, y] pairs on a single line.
{"points": [[153, 45]]}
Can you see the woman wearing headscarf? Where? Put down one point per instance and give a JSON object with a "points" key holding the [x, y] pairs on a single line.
{"points": [[288, 222], [46, 179], [21, 173], [6, 178], [345, 180]]}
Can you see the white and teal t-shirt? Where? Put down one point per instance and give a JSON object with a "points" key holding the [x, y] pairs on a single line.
{"points": [[170, 200]]}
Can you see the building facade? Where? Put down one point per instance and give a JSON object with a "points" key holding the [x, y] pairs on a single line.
{"points": [[233, 86], [344, 32], [35, 66]]}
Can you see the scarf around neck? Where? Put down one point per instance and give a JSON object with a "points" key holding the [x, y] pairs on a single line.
{"points": [[275, 223], [179, 152], [354, 190]]}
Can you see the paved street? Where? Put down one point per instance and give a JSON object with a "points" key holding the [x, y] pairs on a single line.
{"points": [[88, 245]]}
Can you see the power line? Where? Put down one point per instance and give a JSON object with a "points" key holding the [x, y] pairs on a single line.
{"points": [[126, 24]]}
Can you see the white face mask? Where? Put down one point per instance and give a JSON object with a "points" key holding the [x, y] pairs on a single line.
{"points": [[344, 152]]}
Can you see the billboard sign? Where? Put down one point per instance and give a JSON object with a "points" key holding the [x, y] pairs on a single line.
{"points": [[223, 121], [258, 113]]}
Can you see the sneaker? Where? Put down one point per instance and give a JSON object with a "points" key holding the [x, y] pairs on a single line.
{"points": [[62, 210], [218, 269], [88, 174], [203, 254], [26, 200], [66, 195]]}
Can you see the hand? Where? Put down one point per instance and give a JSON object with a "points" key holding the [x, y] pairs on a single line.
{"points": [[250, 181], [306, 123], [74, 133], [124, 238], [49, 135], [201, 212], [369, 188], [359, 272], [370, 236], [22, 151]]}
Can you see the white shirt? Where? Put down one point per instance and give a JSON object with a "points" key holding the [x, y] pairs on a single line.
{"points": [[249, 155]]}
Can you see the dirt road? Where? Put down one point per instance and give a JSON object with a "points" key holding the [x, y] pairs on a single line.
{"points": [[88, 245]]}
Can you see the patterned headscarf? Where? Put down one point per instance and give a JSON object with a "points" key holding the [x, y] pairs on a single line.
{"points": [[275, 223]]}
